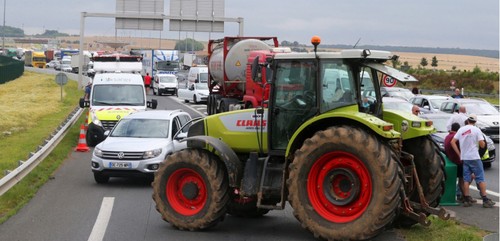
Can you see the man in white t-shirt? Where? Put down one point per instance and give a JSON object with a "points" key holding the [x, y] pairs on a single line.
{"points": [[469, 138], [459, 118]]}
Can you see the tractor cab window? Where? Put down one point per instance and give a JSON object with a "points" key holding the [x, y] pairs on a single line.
{"points": [[368, 93], [337, 86], [294, 98]]}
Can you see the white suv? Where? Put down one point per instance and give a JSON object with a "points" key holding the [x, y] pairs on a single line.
{"points": [[138, 143]]}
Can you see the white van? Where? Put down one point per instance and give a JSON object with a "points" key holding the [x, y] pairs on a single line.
{"points": [[113, 96], [164, 83], [198, 74]]}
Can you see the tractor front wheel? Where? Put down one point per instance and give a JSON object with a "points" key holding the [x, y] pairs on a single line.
{"points": [[191, 189], [430, 170], [344, 184]]}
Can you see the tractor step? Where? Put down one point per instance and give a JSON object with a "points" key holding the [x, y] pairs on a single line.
{"points": [[269, 186]]}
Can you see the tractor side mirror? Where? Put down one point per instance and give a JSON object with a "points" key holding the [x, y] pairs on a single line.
{"points": [[256, 76]]}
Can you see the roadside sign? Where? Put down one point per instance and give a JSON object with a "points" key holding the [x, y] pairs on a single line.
{"points": [[61, 79], [389, 81]]}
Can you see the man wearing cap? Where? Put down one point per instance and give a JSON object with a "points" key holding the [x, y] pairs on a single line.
{"points": [[469, 136]]}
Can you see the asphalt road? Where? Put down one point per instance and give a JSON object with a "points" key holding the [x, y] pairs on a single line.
{"points": [[71, 206]]}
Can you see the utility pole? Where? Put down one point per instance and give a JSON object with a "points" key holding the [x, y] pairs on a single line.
{"points": [[3, 29]]}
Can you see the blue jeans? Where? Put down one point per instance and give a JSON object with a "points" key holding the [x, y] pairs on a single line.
{"points": [[473, 166]]}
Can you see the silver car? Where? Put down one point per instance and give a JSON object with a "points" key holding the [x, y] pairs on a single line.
{"points": [[138, 144]]}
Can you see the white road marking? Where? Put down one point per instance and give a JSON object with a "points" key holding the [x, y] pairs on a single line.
{"points": [[192, 107], [101, 223], [496, 194]]}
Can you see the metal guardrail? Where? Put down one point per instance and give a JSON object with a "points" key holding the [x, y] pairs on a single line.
{"points": [[25, 167], [450, 92]]}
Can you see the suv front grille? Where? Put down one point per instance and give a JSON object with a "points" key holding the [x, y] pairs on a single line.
{"points": [[125, 155]]}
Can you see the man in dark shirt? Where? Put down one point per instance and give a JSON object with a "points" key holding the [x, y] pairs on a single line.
{"points": [[455, 158], [457, 94]]}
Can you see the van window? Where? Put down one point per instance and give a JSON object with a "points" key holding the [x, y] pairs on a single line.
{"points": [[168, 79], [132, 95], [203, 77]]}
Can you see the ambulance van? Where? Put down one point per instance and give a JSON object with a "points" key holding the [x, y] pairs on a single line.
{"points": [[113, 96]]}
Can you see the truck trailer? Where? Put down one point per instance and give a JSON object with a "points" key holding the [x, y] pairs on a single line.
{"points": [[157, 61], [229, 79], [35, 59]]}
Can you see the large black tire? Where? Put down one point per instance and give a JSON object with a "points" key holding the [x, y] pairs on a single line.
{"points": [[245, 208], [209, 104], [431, 174], [191, 189], [344, 184]]}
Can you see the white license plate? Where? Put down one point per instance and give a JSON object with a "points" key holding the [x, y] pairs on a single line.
{"points": [[120, 165]]}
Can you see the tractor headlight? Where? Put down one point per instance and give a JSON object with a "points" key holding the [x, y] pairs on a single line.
{"points": [[416, 124], [152, 153]]}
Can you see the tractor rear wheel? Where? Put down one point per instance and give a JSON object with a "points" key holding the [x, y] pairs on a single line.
{"points": [[191, 189], [344, 184], [430, 170]]}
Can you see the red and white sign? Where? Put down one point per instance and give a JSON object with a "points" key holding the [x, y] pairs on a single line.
{"points": [[389, 81]]}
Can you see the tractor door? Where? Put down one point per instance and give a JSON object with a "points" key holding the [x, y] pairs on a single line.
{"points": [[293, 99]]}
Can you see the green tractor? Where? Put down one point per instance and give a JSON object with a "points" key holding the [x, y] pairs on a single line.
{"points": [[324, 143]]}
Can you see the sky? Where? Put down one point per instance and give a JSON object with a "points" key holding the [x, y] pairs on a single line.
{"points": [[465, 24]]}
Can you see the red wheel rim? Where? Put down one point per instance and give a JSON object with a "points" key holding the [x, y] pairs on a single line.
{"points": [[339, 187], [186, 191]]}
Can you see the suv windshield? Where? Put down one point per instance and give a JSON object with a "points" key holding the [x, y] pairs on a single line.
{"points": [[118, 95], [141, 128]]}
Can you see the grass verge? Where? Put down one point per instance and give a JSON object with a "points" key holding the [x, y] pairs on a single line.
{"points": [[450, 230], [27, 120], [19, 195]]}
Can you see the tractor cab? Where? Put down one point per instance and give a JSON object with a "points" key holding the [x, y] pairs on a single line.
{"points": [[306, 85]]}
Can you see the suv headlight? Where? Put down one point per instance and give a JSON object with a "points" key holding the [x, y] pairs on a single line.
{"points": [[98, 152], [152, 153]]}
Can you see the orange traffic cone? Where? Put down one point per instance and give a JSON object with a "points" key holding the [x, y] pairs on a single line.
{"points": [[86, 123], [82, 143]]}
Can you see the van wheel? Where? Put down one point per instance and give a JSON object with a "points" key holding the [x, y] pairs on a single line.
{"points": [[194, 99]]}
